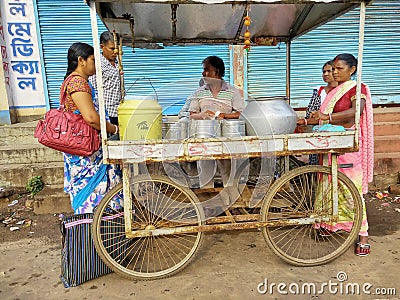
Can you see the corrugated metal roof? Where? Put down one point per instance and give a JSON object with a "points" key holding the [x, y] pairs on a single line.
{"points": [[212, 22]]}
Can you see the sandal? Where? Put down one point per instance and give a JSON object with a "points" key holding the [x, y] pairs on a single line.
{"points": [[362, 249]]}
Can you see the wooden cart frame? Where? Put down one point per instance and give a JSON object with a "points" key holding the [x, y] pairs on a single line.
{"points": [[151, 226]]}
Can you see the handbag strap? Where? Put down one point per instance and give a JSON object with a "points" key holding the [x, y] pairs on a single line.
{"points": [[63, 90]]}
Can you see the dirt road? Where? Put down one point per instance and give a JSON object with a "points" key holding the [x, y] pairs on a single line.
{"points": [[230, 265]]}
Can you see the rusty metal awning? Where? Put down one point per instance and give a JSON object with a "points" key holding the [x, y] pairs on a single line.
{"points": [[216, 21]]}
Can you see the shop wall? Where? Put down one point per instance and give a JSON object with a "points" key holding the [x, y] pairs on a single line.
{"points": [[381, 61], [21, 61], [4, 88], [174, 72]]}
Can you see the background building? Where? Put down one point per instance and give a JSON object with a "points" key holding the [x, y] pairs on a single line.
{"points": [[175, 71]]}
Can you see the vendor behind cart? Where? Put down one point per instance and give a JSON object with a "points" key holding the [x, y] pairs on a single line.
{"points": [[216, 96], [215, 99]]}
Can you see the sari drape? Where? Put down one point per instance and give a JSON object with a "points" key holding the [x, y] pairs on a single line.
{"points": [[362, 161], [86, 179]]}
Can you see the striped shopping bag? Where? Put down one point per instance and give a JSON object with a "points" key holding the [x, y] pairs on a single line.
{"points": [[80, 261]]}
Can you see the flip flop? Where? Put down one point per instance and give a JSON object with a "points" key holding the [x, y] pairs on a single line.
{"points": [[362, 249]]}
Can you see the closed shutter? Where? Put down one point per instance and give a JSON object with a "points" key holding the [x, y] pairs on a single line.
{"points": [[381, 61], [62, 23], [267, 71], [173, 71]]}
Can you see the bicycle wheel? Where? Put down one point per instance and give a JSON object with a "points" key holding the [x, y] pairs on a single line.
{"points": [[263, 170], [305, 195], [257, 174], [293, 163], [156, 203]]}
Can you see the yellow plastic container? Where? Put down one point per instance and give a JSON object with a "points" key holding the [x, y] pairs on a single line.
{"points": [[140, 118]]}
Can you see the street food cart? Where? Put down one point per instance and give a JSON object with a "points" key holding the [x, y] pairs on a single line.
{"points": [[151, 226]]}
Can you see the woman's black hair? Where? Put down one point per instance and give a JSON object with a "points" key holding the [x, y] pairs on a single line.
{"points": [[349, 59], [77, 49], [328, 63], [217, 63]]}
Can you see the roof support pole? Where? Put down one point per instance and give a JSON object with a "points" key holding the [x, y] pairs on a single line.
{"points": [[359, 70], [99, 79], [288, 52]]}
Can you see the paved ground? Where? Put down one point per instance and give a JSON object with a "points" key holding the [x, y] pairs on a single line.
{"points": [[230, 265]]}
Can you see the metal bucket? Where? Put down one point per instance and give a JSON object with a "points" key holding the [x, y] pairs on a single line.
{"points": [[140, 118], [166, 125], [233, 128], [174, 130], [184, 127], [205, 128]]}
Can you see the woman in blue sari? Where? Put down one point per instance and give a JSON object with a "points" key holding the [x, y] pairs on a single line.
{"points": [[86, 178]]}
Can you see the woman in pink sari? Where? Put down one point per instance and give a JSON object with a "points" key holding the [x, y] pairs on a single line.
{"points": [[339, 108]]}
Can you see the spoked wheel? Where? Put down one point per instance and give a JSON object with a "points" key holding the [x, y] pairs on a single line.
{"points": [[178, 173], [157, 203], [293, 163], [258, 173], [304, 195]]}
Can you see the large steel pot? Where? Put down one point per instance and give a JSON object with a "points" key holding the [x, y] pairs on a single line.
{"points": [[205, 128], [175, 130], [269, 115]]}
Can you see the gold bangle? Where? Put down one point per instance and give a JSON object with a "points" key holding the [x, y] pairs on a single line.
{"points": [[330, 118], [305, 121]]}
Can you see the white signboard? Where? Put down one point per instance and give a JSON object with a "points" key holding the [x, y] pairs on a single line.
{"points": [[20, 53]]}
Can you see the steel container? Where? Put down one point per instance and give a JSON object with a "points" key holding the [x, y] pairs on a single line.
{"points": [[269, 116]]}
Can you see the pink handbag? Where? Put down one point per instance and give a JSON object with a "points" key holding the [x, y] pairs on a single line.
{"points": [[67, 132]]}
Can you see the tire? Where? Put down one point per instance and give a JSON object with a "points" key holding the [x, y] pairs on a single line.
{"points": [[256, 175], [293, 163], [157, 202], [300, 193]]}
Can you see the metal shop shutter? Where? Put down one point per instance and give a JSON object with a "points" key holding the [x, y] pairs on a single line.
{"points": [[267, 71], [309, 52], [62, 23], [173, 71]]}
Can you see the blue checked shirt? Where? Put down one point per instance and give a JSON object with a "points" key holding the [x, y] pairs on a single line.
{"points": [[111, 87]]}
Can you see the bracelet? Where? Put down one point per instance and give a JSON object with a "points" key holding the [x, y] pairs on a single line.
{"points": [[305, 121], [116, 129], [330, 118]]}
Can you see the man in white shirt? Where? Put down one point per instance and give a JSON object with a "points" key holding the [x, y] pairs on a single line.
{"points": [[111, 76]]}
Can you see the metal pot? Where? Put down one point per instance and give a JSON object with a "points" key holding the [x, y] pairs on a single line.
{"points": [[204, 128], [269, 115], [233, 128], [174, 130]]}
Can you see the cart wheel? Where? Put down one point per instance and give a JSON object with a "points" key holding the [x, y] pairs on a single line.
{"points": [[250, 170], [293, 163], [256, 175], [306, 192], [156, 203]]}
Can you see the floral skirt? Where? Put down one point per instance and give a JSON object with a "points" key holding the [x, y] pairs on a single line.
{"points": [[79, 170]]}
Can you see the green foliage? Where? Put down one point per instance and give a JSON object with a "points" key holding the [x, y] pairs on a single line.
{"points": [[34, 185]]}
